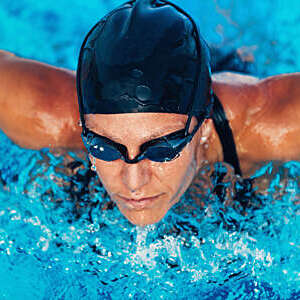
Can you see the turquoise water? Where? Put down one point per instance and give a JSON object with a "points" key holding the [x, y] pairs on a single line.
{"points": [[59, 241]]}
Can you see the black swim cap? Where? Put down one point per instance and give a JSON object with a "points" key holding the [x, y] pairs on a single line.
{"points": [[144, 56]]}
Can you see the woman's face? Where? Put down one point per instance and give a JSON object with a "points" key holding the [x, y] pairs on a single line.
{"points": [[129, 184]]}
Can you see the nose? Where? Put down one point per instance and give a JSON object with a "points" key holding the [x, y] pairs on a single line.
{"points": [[135, 176]]}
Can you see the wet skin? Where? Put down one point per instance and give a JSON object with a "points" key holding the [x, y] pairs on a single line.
{"points": [[166, 182], [263, 114]]}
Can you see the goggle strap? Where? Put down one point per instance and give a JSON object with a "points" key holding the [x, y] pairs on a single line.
{"points": [[188, 123]]}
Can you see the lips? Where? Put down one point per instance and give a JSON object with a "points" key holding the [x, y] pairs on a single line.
{"points": [[139, 203]]}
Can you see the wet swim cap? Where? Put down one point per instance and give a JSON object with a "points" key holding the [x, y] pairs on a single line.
{"points": [[144, 56]]}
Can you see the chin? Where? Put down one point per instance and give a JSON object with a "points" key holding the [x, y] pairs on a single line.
{"points": [[143, 217]]}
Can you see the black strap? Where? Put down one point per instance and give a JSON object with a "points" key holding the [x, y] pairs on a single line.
{"points": [[225, 134]]}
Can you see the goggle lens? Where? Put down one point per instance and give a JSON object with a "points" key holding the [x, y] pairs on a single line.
{"points": [[105, 152], [162, 149], [160, 153]]}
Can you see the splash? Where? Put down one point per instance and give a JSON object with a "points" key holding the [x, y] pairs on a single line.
{"points": [[58, 240]]}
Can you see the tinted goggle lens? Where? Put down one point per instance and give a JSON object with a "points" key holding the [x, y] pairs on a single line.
{"points": [[161, 153], [106, 152], [102, 149]]}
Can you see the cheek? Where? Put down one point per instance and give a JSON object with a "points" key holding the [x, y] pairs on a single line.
{"points": [[173, 173], [108, 172]]}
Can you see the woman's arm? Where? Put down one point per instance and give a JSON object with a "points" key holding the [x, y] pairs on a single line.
{"points": [[264, 116], [38, 104], [283, 115], [274, 131]]}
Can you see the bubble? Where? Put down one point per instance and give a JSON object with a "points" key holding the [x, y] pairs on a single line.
{"points": [[136, 73], [143, 93]]}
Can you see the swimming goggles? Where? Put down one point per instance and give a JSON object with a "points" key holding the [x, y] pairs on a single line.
{"points": [[162, 149]]}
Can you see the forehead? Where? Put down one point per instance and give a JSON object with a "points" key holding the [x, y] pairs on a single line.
{"points": [[136, 124]]}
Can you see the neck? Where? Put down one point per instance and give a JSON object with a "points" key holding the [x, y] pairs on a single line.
{"points": [[214, 152]]}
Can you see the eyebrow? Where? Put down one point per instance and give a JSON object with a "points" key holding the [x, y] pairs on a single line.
{"points": [[161, 133]]}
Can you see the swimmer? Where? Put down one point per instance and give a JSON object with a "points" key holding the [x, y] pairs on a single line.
{"points": [[147, 109]]}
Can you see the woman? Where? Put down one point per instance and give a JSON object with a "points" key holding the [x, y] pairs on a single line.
{"points": [[151, 115]]}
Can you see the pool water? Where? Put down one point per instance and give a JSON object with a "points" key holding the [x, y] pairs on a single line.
{"points": [[62, 240]]}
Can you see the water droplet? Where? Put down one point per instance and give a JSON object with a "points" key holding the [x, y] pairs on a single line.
{"points": [[143, 92], [136, 73]]}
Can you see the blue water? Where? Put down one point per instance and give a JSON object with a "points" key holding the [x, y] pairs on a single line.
{"points": [[57, 242]]}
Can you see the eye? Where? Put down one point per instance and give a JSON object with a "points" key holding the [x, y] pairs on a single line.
{"points": [[161, 153], [106, 153]]}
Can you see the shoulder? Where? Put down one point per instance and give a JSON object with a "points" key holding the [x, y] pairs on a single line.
{"points": [[272, 88], [282, 114], [282, 94], [282, 89], [234, 78], [279, 93], [264, 114], [42, 98], [276, 127], [240, 94], [230, 84], [27, 77]]}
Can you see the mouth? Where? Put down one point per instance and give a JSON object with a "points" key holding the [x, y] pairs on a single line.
{"points": [[139, 203]]}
